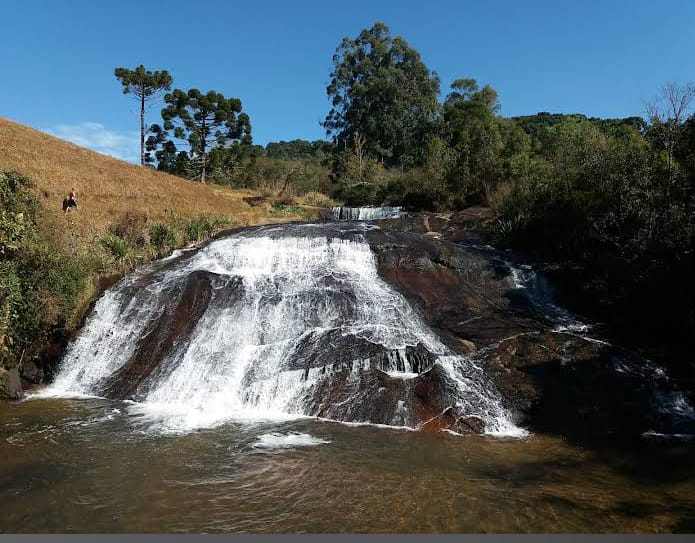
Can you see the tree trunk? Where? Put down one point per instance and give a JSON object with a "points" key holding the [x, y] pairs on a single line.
{"points": [[142, 128], [203, 156]]}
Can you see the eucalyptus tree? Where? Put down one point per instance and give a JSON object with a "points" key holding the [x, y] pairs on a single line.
{"points": [[382, 90], [144, 86], [201, 122], [472, 131]]}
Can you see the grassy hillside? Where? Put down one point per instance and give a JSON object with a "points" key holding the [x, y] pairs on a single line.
{"points": [[108, 188]]}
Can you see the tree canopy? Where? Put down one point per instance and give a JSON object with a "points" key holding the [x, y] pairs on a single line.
{"points": [[383, 92], [201, 122]]}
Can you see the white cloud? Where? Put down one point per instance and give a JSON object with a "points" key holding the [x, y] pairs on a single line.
{"points": [[95, 136]]}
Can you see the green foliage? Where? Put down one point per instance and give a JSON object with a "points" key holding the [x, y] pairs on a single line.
{"points": [[473, 133], [17, 210], [41, 288], [201, 122], [280, 208], [382, 91], [119, 249], [163, 238], [142, 83], [144, 86], [299, 149], [612, 204], [200, 228]]}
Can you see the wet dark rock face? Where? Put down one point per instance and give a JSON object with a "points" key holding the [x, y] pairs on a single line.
{"points": [[554, 381], [10, 384]]}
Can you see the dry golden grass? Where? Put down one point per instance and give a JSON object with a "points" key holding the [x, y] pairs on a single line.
{"points": [[107, 188]]}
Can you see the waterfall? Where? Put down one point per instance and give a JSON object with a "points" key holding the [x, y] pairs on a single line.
{"points": [[365, 213], [267, 323]]}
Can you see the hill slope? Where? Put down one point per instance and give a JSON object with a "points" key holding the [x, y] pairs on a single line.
{"points": [[107, 188]]}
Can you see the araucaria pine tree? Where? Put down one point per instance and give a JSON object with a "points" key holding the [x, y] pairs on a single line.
{"points": [[202, 122], [144, 86]]}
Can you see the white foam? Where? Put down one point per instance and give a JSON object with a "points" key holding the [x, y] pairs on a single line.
{"points": [[366, 213], [278, 440], [169, 418]]}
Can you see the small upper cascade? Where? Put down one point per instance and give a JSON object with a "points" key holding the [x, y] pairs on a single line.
{"points": [[366, 213]]}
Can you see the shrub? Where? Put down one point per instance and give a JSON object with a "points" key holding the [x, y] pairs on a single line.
{"points": [[282, 209], [119, 249], [132, 228], [162, 238], [201, 227]]}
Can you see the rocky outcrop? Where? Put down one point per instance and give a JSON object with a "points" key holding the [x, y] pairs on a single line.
{"points": [[554, 380], [317, 340], [468, 225], [10, 384]]}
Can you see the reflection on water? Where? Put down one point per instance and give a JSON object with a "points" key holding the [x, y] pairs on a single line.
{"points": [[93, 466]]}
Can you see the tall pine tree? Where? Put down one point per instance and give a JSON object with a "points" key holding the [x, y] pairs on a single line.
{"points": [[144, 86], [201, 122]]}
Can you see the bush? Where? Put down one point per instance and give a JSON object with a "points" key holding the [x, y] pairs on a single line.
{"points": [[162, 238], [119, 249], [132, 228], [43, 290], [200, 228], [283, 209], [359, 194]]}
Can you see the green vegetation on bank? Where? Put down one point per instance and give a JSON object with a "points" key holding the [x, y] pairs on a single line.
{"points": [[42, 287]]}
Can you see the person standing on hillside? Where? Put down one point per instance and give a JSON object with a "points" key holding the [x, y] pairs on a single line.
{"points": [[70, 201]]}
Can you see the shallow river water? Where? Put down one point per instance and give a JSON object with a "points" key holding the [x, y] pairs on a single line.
{"points": [[91, 465]]}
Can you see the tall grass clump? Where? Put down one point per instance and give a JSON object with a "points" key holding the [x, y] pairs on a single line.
{"points": [[163, 239], [119, 249], [200, 228]]}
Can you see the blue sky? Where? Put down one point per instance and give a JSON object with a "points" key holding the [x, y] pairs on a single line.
{"points": [[601, 58]]}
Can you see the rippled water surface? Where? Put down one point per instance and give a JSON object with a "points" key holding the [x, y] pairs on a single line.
{"points": [[92, 465]]}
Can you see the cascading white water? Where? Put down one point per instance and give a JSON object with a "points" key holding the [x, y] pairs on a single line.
{"points": [[365, 213], [298, 307]]}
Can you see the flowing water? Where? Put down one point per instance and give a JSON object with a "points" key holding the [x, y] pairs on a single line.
{"points": [[366, 213], [201, 396], [289, 316]]}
